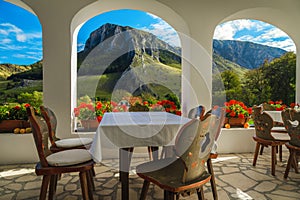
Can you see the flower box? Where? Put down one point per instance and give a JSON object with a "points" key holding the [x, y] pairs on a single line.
{"points": [[89, 125], [236, 122], [8, 126]]}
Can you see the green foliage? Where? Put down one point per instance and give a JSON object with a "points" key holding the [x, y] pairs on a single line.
{"points": [[280, 75], [230, 80], [169, 58], [172, 97], [35, 99], [273, 80], [13, 112]]}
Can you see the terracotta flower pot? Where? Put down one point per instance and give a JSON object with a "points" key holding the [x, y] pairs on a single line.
{"points": [[89, 125], [8, 126], [236, 122]]}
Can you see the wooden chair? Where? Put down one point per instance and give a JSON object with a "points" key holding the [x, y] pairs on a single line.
{"points": [[194, 113], [52, 165], [291, 120], [61, 144], [264, 137], [186, 173], [220, 113], [197, 112]]}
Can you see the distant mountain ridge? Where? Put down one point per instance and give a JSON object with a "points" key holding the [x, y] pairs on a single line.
{"points": [[246, 54], [139, 48]]}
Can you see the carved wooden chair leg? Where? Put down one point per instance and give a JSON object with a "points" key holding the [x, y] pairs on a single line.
{"points": [[212, 180], [84, 186], [90, 180], [256, 153], [295, 162], [168, 195], [90, 184], [45, 184], [261, 150], [144, 190], [52, 187], [288, 167], [273, 159], [200, 194], [280, 153], [153, 152]]}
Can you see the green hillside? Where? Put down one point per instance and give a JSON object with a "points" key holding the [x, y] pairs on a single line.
{"points": [[158, 76], [220, 64], [6, 70]]}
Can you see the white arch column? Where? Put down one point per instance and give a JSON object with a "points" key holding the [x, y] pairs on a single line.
{"points": [[57, 75]]}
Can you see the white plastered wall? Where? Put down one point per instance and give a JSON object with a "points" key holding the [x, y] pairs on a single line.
{"points": [[196, 19]]}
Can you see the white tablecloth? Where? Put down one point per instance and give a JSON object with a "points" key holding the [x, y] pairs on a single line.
{"points": [[135, 129]]}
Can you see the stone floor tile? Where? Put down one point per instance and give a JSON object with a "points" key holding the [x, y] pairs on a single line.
{"points": [[287, 193], [238, 180], [28, 194], [13, 186], [265, 186], [257, 176], [280, 197], [32, 185]]}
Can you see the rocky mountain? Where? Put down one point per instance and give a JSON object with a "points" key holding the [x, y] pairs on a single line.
{"points": [[246, 54], [113, 48], [136, 59]]}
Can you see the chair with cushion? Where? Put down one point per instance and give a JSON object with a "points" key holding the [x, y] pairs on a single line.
{"points": [[185, 173], [291, 120], [52, 165], [194, 113], [61, 144], [220, 113], [197, 112], [263, 123]]}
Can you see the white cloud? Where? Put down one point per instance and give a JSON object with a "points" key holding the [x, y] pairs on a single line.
{"points": [[228, 30], [10, 28], [28, 56], [254, 31], [224, 32], [6, 41], [153, 16], [164, 32], [11, 47]]}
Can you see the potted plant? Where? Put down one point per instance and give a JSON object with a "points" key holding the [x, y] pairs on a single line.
{"points": [[13, 116], [237, 113], [90, 113], [85, 112], [274, 105]]}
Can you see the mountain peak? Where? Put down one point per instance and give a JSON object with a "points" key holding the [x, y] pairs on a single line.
{"points": [[103, 32], [246, 54]]}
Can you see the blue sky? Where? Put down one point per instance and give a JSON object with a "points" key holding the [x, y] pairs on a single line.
{"points": [[21, 32]]}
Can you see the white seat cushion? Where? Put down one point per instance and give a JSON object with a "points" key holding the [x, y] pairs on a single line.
{"points": [[279, 129], [73, 142], [69, 157], [280, 136]]}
